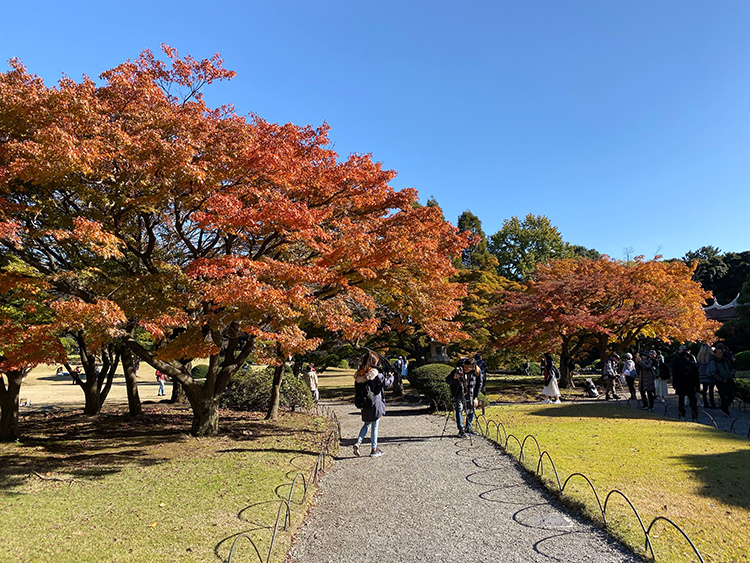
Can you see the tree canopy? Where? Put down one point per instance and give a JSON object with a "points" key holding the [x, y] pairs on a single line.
{"points": [[575, 304], [520, 245], [143, 208]]}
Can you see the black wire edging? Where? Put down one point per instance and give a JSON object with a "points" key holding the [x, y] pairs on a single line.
{"points": [[333, 437], [484, 425]]}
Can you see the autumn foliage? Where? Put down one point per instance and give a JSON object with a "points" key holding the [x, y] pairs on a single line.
{"points": [[604, 304], [220, 236]]}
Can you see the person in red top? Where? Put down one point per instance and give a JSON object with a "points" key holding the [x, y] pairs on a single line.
{"points": [[161, 379]]}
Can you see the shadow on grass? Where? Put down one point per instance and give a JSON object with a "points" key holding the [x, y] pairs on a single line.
{"points": [[723, 476], [607, 410], [73, 446]]}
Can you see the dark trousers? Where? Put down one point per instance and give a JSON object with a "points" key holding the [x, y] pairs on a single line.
{"points": [[692, 397], [647, 398], [708, 389], [631, 385], [609, 386], [726, 390]]}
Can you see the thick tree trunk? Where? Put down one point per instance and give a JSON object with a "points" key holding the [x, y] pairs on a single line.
{"points": [[131, 383], [273, 408], [205, 416], [9, 398], [93, 404], [178, 393]]}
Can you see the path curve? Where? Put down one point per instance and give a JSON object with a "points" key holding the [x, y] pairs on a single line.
{"points": [[436, 499]]}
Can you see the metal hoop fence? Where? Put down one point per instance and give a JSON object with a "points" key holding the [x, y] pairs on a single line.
{"points": [[329, 443], [485, 427]]}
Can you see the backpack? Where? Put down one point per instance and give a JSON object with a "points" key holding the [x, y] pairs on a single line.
{"points": [[364, 398]]}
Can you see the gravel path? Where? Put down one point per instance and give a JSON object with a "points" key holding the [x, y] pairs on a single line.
{"points": [[433, 498]]}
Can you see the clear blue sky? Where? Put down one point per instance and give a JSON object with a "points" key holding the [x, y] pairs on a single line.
{"points": [[627, 123]]}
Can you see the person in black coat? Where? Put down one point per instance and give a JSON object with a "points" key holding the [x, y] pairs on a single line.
{"points": [[465, 383], [369, 377], [685, 381]]}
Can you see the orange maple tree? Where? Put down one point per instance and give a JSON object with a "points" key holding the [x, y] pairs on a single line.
{"points": [[575, 304], [218, 235], [28, 337]]}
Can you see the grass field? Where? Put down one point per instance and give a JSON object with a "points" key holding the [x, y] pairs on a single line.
{"points": [[692, 474], [108, 489]]}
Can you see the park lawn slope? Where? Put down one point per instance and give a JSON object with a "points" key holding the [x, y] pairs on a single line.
{"points": [[693, 474], [107, 489]]}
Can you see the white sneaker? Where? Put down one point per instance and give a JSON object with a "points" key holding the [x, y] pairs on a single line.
{"points": [[356, 449], [661, 400], [546, 402], [376, 453], [557, 402]]}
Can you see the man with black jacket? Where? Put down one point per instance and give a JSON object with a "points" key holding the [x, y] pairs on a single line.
{"points": [[465, 383], [685, 381]]}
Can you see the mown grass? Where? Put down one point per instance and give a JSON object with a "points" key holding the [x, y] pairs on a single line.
{"points": [[692, 474], [108, 489]]}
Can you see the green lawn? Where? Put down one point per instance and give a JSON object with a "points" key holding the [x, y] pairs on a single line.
{"points": [[692, 474], [106, 489]]}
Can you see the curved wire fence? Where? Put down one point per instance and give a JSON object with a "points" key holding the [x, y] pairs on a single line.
{"points": [[544, 458], [284, 514], [486, 426]]}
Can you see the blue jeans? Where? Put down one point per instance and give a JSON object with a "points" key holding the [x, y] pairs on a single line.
{"points": [[469, 413], [373, 435]]}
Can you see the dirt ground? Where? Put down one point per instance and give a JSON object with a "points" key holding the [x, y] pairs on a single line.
{"points": [[43, 390]]}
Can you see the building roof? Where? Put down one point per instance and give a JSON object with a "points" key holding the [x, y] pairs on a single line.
{"points": [[722, 313]]}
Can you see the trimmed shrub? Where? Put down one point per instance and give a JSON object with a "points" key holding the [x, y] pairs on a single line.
{"points": [[535, 368], [743, 387], [430, 381], [200, 371], [250, 390], [343, 364], [742, 361]]}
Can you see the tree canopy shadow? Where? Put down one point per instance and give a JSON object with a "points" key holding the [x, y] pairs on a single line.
{"points": [[723, 476]]}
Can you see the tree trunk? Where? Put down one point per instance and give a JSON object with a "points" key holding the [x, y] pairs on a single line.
{"points": [[178, 393], [205, 416], [273, 408], [9, 398], [111, 359], [131, 382]]}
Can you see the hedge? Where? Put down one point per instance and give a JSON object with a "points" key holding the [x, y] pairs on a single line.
{"points": [[743, 387], [250, 390], [430, 381], [742, 361]]}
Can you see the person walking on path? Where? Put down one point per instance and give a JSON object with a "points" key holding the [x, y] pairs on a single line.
{"points": [[369, 384], [685, 381], [720, 372], [161, 379], [551, 375], [609, 373], [661, 376], [310, 377], [465, 382], [645, 367], [707, 386], [629, 373]]}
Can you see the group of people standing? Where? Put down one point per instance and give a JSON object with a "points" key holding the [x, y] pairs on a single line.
{"points": [[713, 368]]}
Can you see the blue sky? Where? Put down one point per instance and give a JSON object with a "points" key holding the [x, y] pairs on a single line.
{"points": [[626, 123]]}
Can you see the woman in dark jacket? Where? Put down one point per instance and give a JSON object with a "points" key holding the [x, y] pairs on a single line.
{"points": [[646, 377], [707, 386], [368, 376]]}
